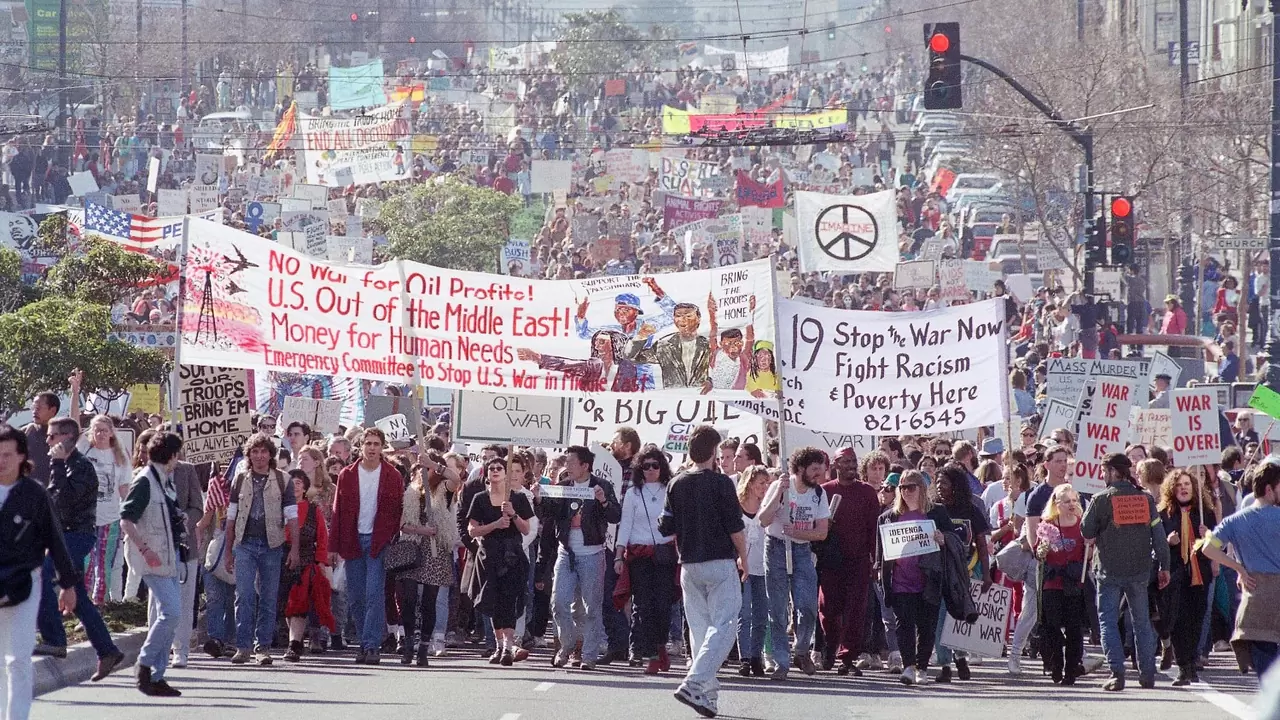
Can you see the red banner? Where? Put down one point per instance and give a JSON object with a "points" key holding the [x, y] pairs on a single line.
{"points": [[717, 123], [766, 195]]}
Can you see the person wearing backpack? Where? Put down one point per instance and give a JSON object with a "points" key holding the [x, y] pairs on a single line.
{"points": [[261, 505], [795, 513]]}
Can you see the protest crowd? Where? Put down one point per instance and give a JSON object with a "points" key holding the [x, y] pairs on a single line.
{"points": [[1066, 512]]}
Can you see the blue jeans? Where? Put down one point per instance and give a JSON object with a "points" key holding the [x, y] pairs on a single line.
{"points": [[752, 619], [366, 595], [799, 589], [257, 585], [49, 620], [219, 609], [1135, 590], [712, 598], [579, 576], [166, 595]]}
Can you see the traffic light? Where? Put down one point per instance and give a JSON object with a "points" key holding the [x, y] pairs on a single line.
{"points": [[942, 85], [1095, 250], [831, 31], [1122, 230]]}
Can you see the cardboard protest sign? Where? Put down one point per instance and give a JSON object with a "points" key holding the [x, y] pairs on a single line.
{"points": [[324, 416], [1162, 364], [677, 211], [1196, 440], [372, 147], [396, 428], [568, 492], [550, 175], [986, 635], [690, 178], [951, 282], [377, 407], [881, 373], [513, 419], [1067, 376], [217, 411], [1098, 436], [847, 233], [916, 274], [171, 202], [404, 322], [1058, 414], [1151, 427], [907, 539]]}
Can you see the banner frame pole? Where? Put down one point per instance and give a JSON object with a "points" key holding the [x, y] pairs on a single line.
{"points": [[175, 388]]}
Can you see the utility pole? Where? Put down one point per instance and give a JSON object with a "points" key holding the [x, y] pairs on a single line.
{"points": [[1080, 20], [137, 46], [1273, 327], [64, 153], [1184, 226], [185, 85]]}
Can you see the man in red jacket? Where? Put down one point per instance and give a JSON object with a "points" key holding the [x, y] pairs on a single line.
{"points": [[366, 518], [842, 603]]}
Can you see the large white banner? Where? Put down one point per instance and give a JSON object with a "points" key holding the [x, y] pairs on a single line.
{"points": [[699, 334], [878, 373], [847, 233], [372, 148]]}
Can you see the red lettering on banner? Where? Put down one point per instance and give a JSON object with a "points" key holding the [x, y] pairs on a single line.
{"points": [[1110, 433], [1193, 403], [1188, 443], [1115, 391]]}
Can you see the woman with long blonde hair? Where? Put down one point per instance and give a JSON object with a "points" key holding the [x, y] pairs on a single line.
{"points": [[754, 616], [101, 445], [1060, 548]]}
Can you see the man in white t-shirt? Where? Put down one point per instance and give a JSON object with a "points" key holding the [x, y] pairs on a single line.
{"points": [[795, 513]]}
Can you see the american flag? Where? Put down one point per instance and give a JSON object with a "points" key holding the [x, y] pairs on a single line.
{"points": [[217, 497], [133, 231]]}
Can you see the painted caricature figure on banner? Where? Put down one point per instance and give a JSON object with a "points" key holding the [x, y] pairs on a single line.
{"points": [[268, 307]]}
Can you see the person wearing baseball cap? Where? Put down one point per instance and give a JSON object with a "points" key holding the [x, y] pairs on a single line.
{"points": [[1125, 527], [1161, 399], [627, 311]]}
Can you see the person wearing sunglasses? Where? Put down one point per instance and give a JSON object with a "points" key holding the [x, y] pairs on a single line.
{"points": [[907, 588], [649, 559], [498, 519]]}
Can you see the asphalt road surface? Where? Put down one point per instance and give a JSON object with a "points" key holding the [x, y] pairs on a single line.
{"points": [[463, 687]]}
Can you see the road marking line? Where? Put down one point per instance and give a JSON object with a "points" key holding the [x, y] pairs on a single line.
{"points": [[510, 716], [543, 686], [1230, 703]]}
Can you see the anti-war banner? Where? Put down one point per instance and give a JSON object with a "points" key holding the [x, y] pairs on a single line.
{"points": [[677, 211], [760, 194], [375, 147], [878, 373], [276, 309]]}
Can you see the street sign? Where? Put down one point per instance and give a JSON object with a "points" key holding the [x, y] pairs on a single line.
{"points": [[1240, 243], [1193, 53]]}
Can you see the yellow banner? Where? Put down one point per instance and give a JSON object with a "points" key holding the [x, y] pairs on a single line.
{"points": [[824, 119], [145, 398], [675, 121], [425, 143]]}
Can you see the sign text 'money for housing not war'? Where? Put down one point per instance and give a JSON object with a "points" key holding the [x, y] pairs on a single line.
{"points": [[275, 309], [894, 373]]}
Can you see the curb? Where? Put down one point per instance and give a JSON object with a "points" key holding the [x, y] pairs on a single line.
{"points": [[54, 674]]}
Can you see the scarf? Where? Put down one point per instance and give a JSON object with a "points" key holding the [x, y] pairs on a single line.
{"points": [[1186, 544]]}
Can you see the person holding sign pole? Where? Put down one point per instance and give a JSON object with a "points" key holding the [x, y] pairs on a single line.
{"points": [[913, 585], [1186, 520], [969, 517], [1123, 522], [795, 513], [1060, 548]]}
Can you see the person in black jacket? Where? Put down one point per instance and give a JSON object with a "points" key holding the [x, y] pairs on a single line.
{"points": [[913, 585], [576, 538], [28, 529], [73, 487], [1186, 519]]}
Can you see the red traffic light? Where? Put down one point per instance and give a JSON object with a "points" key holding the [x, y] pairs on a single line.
{"points": [[355, 17], [413, 39], [1121, 207], [939, 43]]}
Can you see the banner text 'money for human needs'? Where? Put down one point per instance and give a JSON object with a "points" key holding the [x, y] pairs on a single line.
{"points": [[373, 301]]}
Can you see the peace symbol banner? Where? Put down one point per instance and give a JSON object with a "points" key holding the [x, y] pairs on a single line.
{"points": [[847, 233]]}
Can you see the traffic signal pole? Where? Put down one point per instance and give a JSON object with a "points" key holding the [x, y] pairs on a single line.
{"points": [[1083, 136], [1273, 325]]}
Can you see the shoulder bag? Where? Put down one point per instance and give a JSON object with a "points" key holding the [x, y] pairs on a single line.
{"points": [[405, 553], [664, 554]]}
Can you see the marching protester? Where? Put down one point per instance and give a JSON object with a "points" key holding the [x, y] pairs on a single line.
{"points": [[1060, 547], [305, 585], [29, 529], [573, 540], [845, 582], [155, 531], [497, 518], [1182, 602], [795, 513], [367, 511], [753, 482], [103, 577], [703, 513], [262, 509], [431, 518], [648, 557], [1125, 527]]}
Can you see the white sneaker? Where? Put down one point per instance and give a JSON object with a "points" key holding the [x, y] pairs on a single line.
{"points": [[975, 659], [895, 662], [437, 648], [908, 676], [874, 663], [1015, 664], [1093, 662]]}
